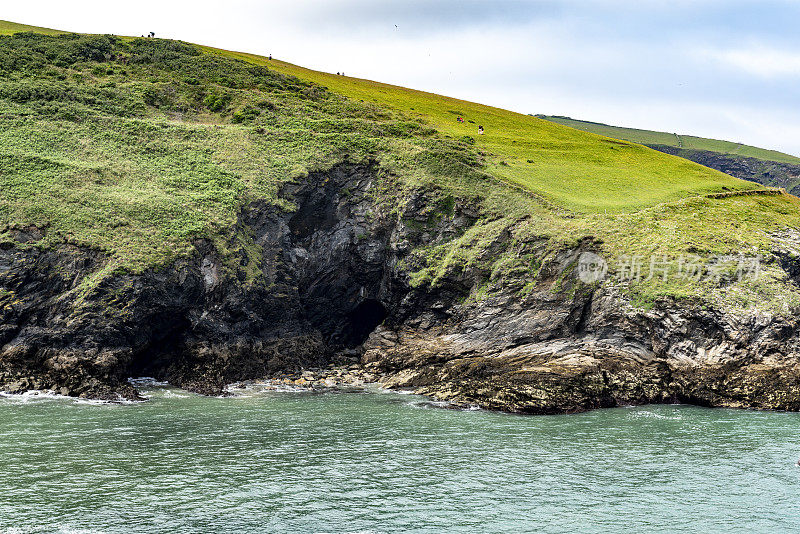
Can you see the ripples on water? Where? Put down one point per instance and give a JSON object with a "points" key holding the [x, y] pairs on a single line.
{"points": [[383, 462]]}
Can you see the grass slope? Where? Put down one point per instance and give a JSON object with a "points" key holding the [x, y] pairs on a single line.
{"points": [[138, 146], [10, 28], [584, 173], [649, 137]]}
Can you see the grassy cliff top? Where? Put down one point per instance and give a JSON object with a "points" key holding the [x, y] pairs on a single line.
{"points": [[582, 172], [579, 171], [137, 147], [649, 137]]}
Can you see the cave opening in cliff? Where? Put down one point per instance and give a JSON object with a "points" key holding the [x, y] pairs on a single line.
{"points": [[155, 357], [362, 320]]}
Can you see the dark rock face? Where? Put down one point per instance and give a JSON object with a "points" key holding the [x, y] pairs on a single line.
{"points": [[769, 173], [330, 277], [321, 282]]}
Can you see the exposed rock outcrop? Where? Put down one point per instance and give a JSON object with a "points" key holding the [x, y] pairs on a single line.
{"points": [[315, 281], [542, 356]]}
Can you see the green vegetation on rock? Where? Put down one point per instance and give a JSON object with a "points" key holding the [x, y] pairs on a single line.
{"points": [[136, 147]]}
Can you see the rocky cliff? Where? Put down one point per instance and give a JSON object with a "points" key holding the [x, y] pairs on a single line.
{"points": [[200, 217], [335, 275], [315, 287]]}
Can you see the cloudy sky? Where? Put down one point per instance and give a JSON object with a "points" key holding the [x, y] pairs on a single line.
{"points": [[728, 69]]}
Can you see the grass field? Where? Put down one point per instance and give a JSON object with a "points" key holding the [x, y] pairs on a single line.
{"points": [[138, 155], [582, 172], [648, 137]]}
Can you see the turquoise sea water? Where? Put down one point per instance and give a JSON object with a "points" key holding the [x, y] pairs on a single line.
{"points": [[385, 462]]}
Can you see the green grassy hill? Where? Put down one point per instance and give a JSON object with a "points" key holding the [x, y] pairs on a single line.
{"points": [[649, 137], [9, 28], [586, 173], [136, 147], [581, 172]]}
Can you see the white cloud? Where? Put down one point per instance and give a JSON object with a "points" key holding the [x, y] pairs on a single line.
{"points": [[760, 60]]}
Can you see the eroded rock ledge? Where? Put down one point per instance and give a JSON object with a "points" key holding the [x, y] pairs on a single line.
{"points": [[332, 278], [515, 357]]}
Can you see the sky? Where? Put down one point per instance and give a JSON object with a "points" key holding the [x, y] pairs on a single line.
{"points": [[726, 69]]}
